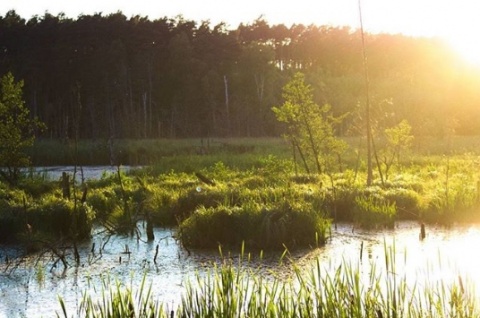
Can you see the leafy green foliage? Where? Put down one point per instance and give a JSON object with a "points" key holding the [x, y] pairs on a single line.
{"points": [[309, 127], [175, 74], [16, 129], [399, 138]]}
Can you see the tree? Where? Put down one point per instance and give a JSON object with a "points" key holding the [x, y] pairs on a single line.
{"points": [[254, 82], [17, 129], [399, 139], [309, 127]]}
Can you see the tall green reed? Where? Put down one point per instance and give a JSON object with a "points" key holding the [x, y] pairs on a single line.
{"points": [[117, 300], [320, 289], [342, 290], [371, 211]]}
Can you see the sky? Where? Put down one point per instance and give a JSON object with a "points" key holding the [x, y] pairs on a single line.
{"points": [[456, 21]]}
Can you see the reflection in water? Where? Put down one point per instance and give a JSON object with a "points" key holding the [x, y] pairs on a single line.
{"points": [[89, 172], [29, 287]]}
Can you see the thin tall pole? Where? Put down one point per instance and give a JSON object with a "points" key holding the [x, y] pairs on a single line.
{"points": [[367, 96], [227, 106]]}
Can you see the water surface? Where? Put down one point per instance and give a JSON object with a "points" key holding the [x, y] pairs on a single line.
{"points": [[85, 173], [30, 285]]}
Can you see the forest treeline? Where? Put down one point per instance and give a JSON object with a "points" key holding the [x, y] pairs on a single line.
{"points": [[109, 76]]}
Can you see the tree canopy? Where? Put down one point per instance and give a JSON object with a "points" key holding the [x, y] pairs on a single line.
{"points": [[16, 129], [310, 128], [172, 77]]}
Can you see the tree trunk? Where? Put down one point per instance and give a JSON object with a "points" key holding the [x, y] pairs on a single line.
{"points": [[144, 99], [227, 106], [367, 106]]}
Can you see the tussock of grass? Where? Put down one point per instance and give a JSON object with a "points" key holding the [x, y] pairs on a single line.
{"points": [[426, 188]]}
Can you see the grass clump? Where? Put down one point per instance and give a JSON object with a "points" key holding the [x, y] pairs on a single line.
{"points": [[372, 212], [271, 226], [119, 301], [61, 218], [23, 217], [259, 179]]}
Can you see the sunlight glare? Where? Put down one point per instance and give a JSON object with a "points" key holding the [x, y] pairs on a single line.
{"points": [[462, 33], [468, 49]]}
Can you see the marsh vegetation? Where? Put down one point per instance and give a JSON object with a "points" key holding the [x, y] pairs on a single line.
{"points": [[263, 195], [247, 192]]}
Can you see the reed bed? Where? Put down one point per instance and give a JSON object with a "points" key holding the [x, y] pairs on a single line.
{"points": [[256, 177], [326, 291], [264, 200], [117, 300], [238, 289]]}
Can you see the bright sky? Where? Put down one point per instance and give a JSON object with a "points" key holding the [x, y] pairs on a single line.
{"points": [[455, 20]]}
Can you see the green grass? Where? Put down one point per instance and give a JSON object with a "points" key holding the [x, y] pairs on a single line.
{"points": [[371, 211], [238, 289], [254, 186], [118, 300], [157, 152], [266, 201]]}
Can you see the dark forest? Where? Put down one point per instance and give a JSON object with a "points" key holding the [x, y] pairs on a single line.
{"points": [[109, 76]]}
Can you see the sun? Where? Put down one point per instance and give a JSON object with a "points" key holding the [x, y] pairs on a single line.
{"points": [[462, 36], [467, 48]]}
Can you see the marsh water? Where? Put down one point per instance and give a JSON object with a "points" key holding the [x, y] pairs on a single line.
{"points": [[30, 285], [81, 173]]}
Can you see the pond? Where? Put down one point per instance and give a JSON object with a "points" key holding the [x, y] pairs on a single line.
{"points": [[90, 172], [30, 286]]}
